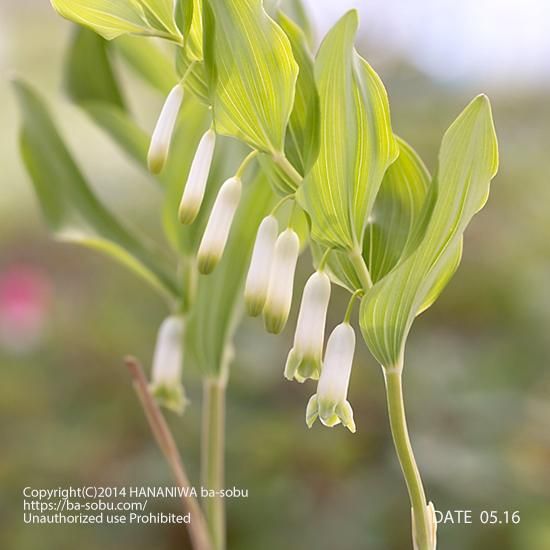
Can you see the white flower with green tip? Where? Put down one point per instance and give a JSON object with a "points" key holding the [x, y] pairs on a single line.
{"points": [[257, 281], [330, 402], [219, 224], [193, 194], [166, 373], [162, 134], [304, 359], [281, 281]]}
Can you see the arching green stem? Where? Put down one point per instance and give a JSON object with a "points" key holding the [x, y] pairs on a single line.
{"points": [[361, 269], [400, 434]]}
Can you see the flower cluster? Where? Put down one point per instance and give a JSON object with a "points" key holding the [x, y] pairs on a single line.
{"points": [[269, 285], [269, 289], [221, 217]]}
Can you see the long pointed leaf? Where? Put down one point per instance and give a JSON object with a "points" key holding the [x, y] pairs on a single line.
{"points": [[70, 208], [468, 160], [398, 205], [101, 97], [357, 143], [252, 72], [114, 18]]}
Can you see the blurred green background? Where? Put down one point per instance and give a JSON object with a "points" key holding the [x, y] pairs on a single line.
{"points": [[477, 380]]}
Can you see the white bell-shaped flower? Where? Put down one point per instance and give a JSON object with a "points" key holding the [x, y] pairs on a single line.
{"points": [[257, 281], [304, 359], [166, 383], [162, 135], [330, 402], [195, 187], [281, 281], [219, 224]]}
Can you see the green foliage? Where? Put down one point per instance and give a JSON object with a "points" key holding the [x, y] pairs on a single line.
{"points": [[101, 97], [252, 73], [321, 137], [357, 144], [111, 19], [148, 61], [398, 205], [71, 209], [302, 138], [468, 160], [322, 132]]}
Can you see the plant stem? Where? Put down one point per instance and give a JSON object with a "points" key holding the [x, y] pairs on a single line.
{"points": [[198, 531], [351, 302], [398, 424], [245, 163], [284, 164], [212, 456], [360, 268]]}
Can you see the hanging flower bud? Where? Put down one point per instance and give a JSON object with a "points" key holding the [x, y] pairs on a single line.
{"points": [[193, 193], [330, 402], [166, 383], [281, 281], [162, 135], [257, 281], [218, 226], [432, 527], [304, 359]]}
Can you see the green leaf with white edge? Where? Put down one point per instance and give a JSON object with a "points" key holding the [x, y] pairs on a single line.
{"points": [[357, 143], [219, 304], [111, 18], [148, 62], [70, 208], [252, 73], [101, 97], [468, 160], [398, 205]]}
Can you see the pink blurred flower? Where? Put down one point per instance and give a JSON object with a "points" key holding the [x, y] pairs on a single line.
{"points": [[25, 296]]}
